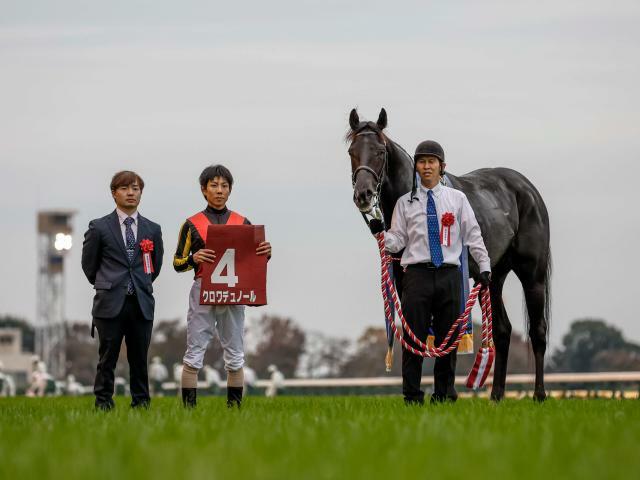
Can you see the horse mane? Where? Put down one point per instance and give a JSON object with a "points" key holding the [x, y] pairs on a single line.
{"points": [[351, 134]]}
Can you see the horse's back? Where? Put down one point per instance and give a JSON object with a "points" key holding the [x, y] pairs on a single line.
{"points": [[502, 187], [486, 178], [506, 204], [506, 183]]}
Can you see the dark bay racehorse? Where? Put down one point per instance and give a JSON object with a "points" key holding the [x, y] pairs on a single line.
{"points": [[512, 216]]}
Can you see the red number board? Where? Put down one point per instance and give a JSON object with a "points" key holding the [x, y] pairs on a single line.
{"points": [[237, 276]]}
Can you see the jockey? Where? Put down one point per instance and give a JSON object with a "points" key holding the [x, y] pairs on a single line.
{"points": [[430, 223], [215, 184]]}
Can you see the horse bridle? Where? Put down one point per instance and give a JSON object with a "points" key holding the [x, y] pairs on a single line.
{"points": [[378, 176]]}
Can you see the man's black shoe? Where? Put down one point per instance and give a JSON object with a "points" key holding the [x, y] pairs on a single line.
{"points": [[443, 398], [409, 402], [105, 406]]}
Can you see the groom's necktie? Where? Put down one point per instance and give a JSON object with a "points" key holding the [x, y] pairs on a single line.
{"points": [[131, 248], [433, 230]]}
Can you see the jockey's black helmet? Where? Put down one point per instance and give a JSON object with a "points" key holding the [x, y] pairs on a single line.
{"points": [[429, 147]]}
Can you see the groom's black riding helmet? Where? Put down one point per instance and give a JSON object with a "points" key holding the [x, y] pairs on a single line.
{"points": [[430, 148]]}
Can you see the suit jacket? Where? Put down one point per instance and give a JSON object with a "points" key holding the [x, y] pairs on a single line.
{"points": [[106, 265]]}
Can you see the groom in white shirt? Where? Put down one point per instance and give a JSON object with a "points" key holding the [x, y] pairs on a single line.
{"points": [[430, 223]]}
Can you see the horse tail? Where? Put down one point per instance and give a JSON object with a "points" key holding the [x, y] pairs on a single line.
{"points": [[547, 293]]}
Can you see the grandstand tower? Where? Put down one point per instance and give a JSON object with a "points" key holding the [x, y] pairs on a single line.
{"points": [[54, 241]]}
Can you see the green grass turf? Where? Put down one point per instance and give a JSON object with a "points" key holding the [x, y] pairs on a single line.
{"points": [[320, 437]]}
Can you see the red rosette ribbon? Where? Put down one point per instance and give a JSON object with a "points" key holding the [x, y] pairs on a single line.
{"points": [[447, 221], [146, 246]]}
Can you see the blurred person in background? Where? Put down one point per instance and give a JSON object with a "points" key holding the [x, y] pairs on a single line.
{"points": [[158, 373], [72, 387], [177, 376], [250, 378], [7, 385], [42, 383]]}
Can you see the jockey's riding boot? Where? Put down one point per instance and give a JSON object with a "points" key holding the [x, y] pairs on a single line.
{"points": [[189, 397], [234, 397]]}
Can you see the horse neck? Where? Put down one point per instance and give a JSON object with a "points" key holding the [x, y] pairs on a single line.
{"points": [[455, 182], [398, 178]]}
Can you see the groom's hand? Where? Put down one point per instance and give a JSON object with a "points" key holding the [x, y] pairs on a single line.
{"points": [[375, 226], [484, 279]]}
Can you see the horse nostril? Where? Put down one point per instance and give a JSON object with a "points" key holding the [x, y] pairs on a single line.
{"points": [[364, 196]]}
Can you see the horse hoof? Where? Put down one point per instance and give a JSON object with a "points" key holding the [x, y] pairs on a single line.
{"points": [[497, 396]]}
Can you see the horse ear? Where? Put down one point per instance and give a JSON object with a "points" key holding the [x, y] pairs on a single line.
{"points": [[382, 119], [354, 119]]}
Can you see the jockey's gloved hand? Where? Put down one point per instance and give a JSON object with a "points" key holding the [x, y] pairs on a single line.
{"points": [[376, 226], [484, 279]]}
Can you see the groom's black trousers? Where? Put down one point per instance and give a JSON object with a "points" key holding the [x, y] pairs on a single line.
{"points": [[131, 325], [428, 291]]}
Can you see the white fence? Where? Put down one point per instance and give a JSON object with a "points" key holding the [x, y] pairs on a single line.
{"points": [[561, 385], [627, 378]]}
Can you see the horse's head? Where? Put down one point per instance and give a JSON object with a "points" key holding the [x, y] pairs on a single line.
{"points": [[368, 152]]}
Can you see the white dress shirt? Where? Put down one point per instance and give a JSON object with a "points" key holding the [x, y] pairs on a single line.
{"points": [[409, 228], [123, 228]]}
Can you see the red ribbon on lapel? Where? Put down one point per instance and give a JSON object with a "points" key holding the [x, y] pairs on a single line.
{"points": [[146, 246]]}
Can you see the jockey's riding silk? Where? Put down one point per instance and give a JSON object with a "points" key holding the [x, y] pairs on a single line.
{"points": [[193, 235]]}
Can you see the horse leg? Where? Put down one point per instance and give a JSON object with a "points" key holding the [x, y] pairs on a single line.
{"points": [[534, 283], [501, 333], [534, 294]]}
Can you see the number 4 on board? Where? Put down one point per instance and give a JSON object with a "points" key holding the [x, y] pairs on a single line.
{"points": [[228, 261]]}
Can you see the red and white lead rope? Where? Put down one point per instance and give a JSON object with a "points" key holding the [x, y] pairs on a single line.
{"points": [[486, 354]]}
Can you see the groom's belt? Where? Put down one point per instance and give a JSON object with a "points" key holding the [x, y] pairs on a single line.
{"points": [[430, 266]]}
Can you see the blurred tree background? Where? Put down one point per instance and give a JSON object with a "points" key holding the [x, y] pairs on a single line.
{"points": [[590, 345]]}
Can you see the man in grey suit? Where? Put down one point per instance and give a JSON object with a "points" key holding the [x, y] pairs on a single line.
{"points": [[121, 257]]}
